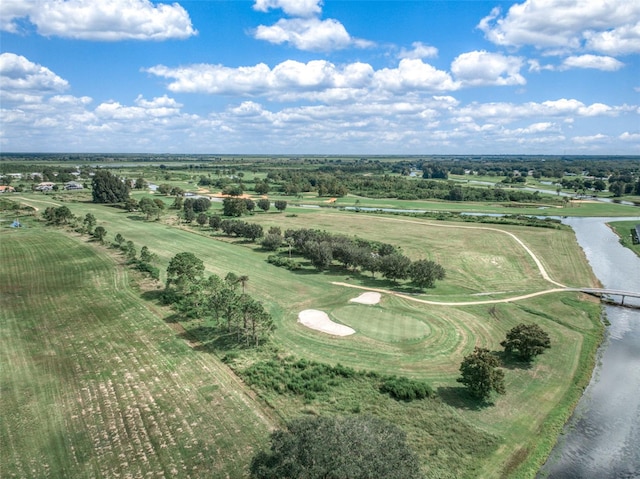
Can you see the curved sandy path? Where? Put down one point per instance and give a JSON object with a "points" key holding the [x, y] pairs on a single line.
{"points": [[457, 303]]}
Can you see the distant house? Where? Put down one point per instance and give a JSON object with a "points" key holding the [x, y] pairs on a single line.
{"points": [[73, 185], [45, 186], [7, 189]]}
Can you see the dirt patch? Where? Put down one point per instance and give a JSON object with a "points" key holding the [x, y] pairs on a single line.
{"points": [[370, 297], [318, 320]]}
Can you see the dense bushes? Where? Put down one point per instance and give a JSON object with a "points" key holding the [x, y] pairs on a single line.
{"points": [[283, 262], [308, 378], [406, 389]]}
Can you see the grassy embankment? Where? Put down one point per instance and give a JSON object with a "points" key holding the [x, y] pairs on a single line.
{"points": [[421, 341]]}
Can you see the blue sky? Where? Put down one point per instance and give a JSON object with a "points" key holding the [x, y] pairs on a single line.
{"points": [[320, 77]]}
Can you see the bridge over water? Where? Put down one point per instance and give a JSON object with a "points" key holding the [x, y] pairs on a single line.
{"points": [[605, 294]]}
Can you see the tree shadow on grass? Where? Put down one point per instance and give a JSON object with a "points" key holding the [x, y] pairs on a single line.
{"points": [[459, 398], [510, 361], [156, 295]]}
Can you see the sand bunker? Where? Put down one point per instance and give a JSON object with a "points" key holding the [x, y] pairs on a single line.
{"points": [[370, 297], [318, 320]]}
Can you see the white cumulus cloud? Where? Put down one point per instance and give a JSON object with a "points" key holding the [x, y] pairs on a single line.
{"points": [[419, 50], [17, 73], [309, 34], [295, 8], [414, 75], [611, 27], [597, 62], [483, 68], [103, 20], [315, 80]]}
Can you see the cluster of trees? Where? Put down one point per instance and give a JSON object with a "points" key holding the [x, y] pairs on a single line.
{"points": [[579, 184], [322, 249], [151, 207], [234, 313], [624, 184], [480, 371], [351, 447], [294, 182], [108, 188], [195, 208], [168, 190], [60, 215], [388, 186], [144, 262], [242, 229], [234, 206]]}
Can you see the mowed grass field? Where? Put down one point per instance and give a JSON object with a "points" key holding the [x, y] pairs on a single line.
{"points": [[400, 336], [94, 385]]}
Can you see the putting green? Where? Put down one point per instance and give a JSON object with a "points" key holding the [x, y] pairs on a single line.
{"points": [[380, 323]]}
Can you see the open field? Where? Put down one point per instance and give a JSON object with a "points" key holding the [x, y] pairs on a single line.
{"points": [[94, 384], [399, 336]]}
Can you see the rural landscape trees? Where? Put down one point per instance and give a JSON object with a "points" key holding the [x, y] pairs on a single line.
{"points": [[108, 188], [481, 375], [223, 322], [526, 341], [338, 448]]}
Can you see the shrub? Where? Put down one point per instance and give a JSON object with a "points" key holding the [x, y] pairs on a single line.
{"points": [[406, 389]]}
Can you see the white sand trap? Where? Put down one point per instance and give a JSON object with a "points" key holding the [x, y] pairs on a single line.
{"points": [[370, 297], [318, 320]]}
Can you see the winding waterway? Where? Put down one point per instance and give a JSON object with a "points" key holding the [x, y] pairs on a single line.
{"points": [[602, 438]]}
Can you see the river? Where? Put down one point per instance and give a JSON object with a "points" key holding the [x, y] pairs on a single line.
{"points": [[602, 438]]}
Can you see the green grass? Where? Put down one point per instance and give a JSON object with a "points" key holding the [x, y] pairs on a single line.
{"points": [[96, 385], [420, 341]]}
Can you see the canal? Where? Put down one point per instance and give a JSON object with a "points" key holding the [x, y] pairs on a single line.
{"points": [[602, 438]]}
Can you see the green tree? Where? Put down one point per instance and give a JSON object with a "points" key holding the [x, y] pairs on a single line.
{"points": [[353, 447], [202, 219], [119, 240], [253, 231], [261, 187], [131, 204], [130, 251], [146, 256], [149, 207], [271, 242], [264, 204], [480, 374], [140, 184], [61, 215], [319, 253], [280, 205], [108, 188], [526, 340], [234, 206], [189, 215], [89, 222], [394, 266], [183, 269], [164, 189], [99, 233], [214, 222], [424, 273]]}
